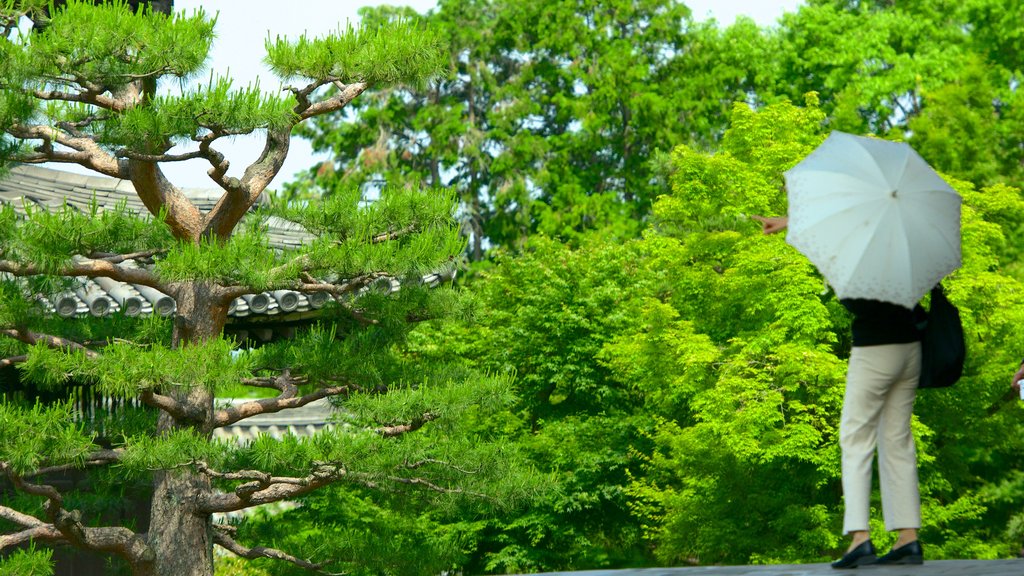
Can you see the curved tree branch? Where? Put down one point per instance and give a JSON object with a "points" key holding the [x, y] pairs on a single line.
{"points": [[65, 526], [222, 536], [97, 458], [346, 93], [264, 489], [174, 408], [156, 192], [89, 269], [239, 197], [33, 338], [284, 401], [98, 100], [34, 529], [415, 424], [88, 153]]}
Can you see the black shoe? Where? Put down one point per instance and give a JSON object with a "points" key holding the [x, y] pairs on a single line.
{"points": [[862, 555], [910, 553]]}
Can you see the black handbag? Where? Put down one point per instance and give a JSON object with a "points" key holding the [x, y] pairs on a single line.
{"points": [[942, 344]]}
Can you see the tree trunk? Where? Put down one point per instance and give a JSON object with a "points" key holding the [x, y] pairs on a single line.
{"points": [[179, 535]]}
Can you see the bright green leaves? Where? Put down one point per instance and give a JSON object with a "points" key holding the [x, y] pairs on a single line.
{"points": [[448, 401], [28, 561], [112, 46], [403, 232], [667, 360], [214, 109], [143, 454], [243, 259], [124, 370], [395, 51], [40, 434], [745, 176], [49, 238]]}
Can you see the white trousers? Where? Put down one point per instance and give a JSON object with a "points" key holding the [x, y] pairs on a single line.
{"points": [[881, 383]]}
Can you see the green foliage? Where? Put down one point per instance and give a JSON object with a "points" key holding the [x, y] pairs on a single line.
{"points": [[146, 453], [392, 52], [50, 239], [27, 562], [214, 109], [85, 80], [110, 46], [126, 369], [547, 117], [364, 536], [662, 383], [41, 434]]}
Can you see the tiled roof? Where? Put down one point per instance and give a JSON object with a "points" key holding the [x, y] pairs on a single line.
{"points": [[28, 185]]}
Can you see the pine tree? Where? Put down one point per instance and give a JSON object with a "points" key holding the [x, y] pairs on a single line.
{"points": [[102, 87]]}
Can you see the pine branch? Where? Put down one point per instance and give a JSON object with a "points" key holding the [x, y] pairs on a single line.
{"points": [[218, 163], [263, 488], [420, 463], [119, 258], [65, 526], [12, 360], [345, 287], [132, 155], [33, 338], [89, 269], [35, 529], [222, 536], [346, 94], [364, 480], [415, 424], [394, 235], [430, 485], [97, 458], [87, 152], [221, 220], [73, 127], [271, 382], [284, 401], [54, 500], [175, 409], [88, 97]]}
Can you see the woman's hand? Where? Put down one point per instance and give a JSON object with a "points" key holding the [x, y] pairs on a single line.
{"points": [[1015, 384], [772, 224]]}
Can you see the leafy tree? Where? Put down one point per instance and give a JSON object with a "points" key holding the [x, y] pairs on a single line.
{"points": [[83, 90], [944, 75], [548, 115]]}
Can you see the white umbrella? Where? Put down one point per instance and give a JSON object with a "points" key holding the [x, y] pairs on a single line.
{"points": [[874, 218]]}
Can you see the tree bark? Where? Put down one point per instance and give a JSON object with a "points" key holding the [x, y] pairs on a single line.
{"points": [[180, 534]]}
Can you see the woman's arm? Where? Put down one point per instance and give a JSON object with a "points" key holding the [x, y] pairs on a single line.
{"points": [[772, 224]]}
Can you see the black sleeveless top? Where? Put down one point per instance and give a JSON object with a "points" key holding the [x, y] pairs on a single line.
{"points": [[876, 323]]}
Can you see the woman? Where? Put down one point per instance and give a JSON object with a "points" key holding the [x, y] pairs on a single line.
{"points": [[881, 383]]}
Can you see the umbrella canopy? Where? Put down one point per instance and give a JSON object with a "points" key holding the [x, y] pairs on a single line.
{"points": [[876, 220]]}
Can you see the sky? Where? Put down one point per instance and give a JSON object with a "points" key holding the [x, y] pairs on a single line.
{"points": [[243, 26]]}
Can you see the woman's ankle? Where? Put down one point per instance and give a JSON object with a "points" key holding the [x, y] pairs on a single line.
{"points": [[858, 537], [905, 536]]}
